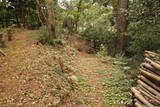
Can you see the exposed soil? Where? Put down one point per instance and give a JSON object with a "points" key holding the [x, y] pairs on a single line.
{"points": [[27, 78]]}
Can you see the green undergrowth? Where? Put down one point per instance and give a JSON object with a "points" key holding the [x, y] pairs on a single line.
{"points": [[117, 89], [65, 81], [117, 79], [46, 71]]}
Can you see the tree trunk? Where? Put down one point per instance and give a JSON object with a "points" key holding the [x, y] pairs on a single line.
{"points": [[23, 13], [78, 14], [122, 24], [17, 20], [41, 15], [50, 20]]}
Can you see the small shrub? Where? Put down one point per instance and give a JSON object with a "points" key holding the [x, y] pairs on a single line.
{"points": [[43, 35], [100, 36]]}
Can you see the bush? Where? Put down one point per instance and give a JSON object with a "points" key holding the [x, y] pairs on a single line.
{"points": [[100, 36], [144, 26], [143, 37], [43, 35], [93, 25]]}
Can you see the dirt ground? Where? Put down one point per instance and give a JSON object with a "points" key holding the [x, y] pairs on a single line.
{"points": [[28, 78]]}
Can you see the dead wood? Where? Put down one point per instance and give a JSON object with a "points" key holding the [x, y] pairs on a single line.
{"points": [[149, 95], [152, 54], [140, 97], [154, 64], [148, 92], [151, 75], [149, 67], [138, 103], [156, 93], [144, 79]]}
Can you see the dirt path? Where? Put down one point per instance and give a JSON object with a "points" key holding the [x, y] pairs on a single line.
{"points": [[19, 68], [89, 66], [11, 65], [26, 76]]}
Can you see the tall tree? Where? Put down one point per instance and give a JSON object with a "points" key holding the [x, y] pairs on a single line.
{"points": [[78, 13], [122, 23], [23, 13], [50, 19]]}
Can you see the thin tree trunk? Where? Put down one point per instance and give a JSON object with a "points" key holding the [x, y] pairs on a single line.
{"points": [[23, 13], [50, 19], [38, 7], [17, 20], [122, 24], [78, 14]]}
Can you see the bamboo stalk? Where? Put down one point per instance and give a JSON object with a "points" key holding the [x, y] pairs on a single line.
{"points": [[140, 97], [149, 88], [151, 75], [149, 83]]}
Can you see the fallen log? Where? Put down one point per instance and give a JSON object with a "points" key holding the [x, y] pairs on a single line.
{"points": [[158, 62], [148, 95], [154, 64], [148, 92], [151, 75], [149, 67], [140, 97], [144, 79], [146, 55], [156, 93], [152, 54], [138, 103]]}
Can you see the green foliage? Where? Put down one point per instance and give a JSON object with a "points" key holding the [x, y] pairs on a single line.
{"points": [[118, 85], [1, 30], [102, 52], [144, 26], [69, 21], [94, 25], [11, 13], [97, 23], [43, 35], [53, 104], [121, 76]]}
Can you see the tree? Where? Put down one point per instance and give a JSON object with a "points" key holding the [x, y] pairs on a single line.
{"points": [[78, 13], [20, 12], [122, 23], [23, 13], [50, 19], [144, 24]]}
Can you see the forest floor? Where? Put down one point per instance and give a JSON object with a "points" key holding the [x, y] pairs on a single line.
{"points": [[34, 75]]}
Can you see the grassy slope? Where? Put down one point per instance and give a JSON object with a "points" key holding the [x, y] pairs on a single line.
{"points": [[31, 75]]}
